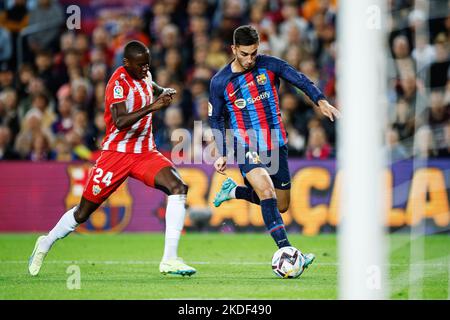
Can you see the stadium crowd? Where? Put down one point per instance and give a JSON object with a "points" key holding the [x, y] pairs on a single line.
{"points": [[52, 81]]}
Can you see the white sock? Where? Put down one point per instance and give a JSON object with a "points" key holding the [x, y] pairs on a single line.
{"points": [[233, 193], [175, 213], [65, 225]]}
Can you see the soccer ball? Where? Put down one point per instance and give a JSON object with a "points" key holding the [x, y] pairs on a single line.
{"points": [[288, 262]]}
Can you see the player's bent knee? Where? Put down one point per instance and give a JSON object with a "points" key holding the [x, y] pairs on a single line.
{"points": [[268, 193], [283, 208], [178, 188], [81, 214]]}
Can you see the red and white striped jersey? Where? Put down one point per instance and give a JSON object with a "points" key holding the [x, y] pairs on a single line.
{"points": [[139, 137]]}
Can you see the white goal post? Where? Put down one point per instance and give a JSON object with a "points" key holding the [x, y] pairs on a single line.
{"points": [[361, 81]]}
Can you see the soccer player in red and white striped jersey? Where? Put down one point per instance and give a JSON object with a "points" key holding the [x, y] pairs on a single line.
{"points": [[128, 150]]}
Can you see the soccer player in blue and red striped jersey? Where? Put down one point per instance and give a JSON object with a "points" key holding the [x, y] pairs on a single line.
{"points": [[245, 92]]}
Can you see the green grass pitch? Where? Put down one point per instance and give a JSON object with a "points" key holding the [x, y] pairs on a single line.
{"points": [[230, 266]]}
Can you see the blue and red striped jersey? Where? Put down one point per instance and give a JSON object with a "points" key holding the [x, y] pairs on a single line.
{"points": [[250, 101]]}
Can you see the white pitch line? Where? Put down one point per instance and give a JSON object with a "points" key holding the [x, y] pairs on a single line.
{"points": [[138, 262]]}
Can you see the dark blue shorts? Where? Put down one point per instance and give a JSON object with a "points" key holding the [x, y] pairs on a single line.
{"points": [[274, 161]]}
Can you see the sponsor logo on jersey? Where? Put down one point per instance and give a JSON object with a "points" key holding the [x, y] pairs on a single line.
{"points": [[262, 96], [233, 93], [261, 79], [118, 92], [240, 103], [96, 189]]}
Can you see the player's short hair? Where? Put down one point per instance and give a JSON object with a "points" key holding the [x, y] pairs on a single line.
{"points": [[133, 48], [245, 36]]}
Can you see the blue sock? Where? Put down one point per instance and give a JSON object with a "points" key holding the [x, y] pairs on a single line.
{"points": [[274, 222], [246, 193]]}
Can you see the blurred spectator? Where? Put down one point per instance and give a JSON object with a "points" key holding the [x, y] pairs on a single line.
{"points": [[41, 108], [49, 15], [9, 115], [438, 118], [318, 146], [162, 77], [40, 148], [29, 129], [290, 14], [98, 73], [64, 121], [173, 120], [62, 150], [6, 76], [6, 150], [201, 138], [12, 22], [129, 27], [294, 56], [424, 145], [295, 124], [424, 53], [195, 36], [101, 42], [308, 67], [81, 92], [395, 150], [174, 64], [26, 73], [155, 19], [99, 96], [82, 45], [15, 19], [196, 8], [79, 149], [412, 90], [96, 132], [6, 49], [438, 70], [44, 70], [229, 15], [81, 125], [216, 57], [404, 64], [311, 8], [35, 86], [444, 151], [403, 121]]}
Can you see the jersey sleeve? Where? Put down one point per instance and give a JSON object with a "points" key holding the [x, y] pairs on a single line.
{"points": [[116, 91], [215, 115], [285, 71]]}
